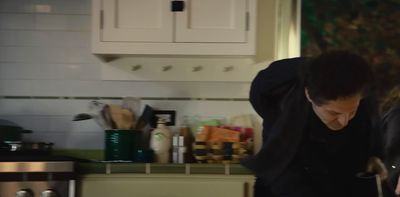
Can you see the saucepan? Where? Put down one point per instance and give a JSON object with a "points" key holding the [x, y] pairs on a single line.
{"points": [[11, 132]]}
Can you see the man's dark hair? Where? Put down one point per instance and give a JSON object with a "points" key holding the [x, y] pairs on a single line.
{"points": [[336, 74]]}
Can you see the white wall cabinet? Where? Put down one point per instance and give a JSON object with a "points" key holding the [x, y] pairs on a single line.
{"points": [[167, 185], [201, 27], [230, 40]]}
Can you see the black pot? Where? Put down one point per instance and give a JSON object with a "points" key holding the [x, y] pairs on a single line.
{"points": [[11, 132]]}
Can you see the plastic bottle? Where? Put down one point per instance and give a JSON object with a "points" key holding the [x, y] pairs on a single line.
{"points": [[160, 142]]}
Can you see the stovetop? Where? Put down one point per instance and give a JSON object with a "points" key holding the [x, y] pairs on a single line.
{"points": [[33, 158]]}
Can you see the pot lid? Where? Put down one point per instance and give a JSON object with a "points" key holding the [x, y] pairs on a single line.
{"points": [[8, 123]]}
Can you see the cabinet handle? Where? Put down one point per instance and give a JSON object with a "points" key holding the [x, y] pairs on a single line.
{"points": [[177, 6]]}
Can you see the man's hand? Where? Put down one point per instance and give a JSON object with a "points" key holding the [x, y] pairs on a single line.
{"points": [[375, 165], [397, 190]]}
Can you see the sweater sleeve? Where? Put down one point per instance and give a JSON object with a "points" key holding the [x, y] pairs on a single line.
{"points": [[271, 84], [391, 131]]}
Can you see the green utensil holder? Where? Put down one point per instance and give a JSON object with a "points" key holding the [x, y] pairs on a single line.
{"points": [[121, 145]]}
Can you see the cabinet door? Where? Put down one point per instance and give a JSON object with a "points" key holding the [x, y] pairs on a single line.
{"points": [[212, 21], [204, 27], [137, 21]]}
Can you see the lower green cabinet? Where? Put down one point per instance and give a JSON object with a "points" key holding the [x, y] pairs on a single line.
{"points": [[165, 185]]}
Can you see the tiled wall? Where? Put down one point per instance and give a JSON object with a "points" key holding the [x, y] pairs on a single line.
{"points": [[47, 70]]}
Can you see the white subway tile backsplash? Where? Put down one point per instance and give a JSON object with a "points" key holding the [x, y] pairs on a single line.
{"points": [[66, 88], [29, 38], [16, 21], [69, 39], [78, 72], [93, 140], [66, 108], [34, 123], [7, 38], [203, 109], [97, 88], [17, 54], [13, 107], [26, 71], [45, 71], [62, 22], [60, 124], [56, 6], [176, 89], [52, 88], [10, 6], [86, 72], [6, 72], [44, 22], [46, 55], [16, 87], [72, 6], [51, 22], [85, 126], [2, 90], [44, 38]]}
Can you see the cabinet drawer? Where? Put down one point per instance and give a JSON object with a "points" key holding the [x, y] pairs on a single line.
{"points": [[165, 187]]}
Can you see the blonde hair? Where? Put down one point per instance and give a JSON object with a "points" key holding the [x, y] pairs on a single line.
{"points": [[392, 98]]}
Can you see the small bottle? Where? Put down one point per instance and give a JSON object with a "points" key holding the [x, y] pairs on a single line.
{"points": [[175, 148], [160, 142], [186, 140]]}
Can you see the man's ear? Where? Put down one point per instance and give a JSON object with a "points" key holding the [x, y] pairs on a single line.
{"points": [[307, 95]]}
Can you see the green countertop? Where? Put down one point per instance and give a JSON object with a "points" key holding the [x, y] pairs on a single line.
{"points": [[155, 168], [97, 166]]}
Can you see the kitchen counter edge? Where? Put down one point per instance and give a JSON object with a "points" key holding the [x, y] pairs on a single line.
{"points": [[155, 168]]}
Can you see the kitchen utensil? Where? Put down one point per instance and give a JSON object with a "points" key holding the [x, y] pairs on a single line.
{"points": [[144, 125], [123, 118], [127, 119], [106, 116], [82, 116], [133, 105], [147, 117], [96, 111], [10, 131]]}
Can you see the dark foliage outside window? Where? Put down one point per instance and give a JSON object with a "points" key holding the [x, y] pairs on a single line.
{"points": [[368, 27]]}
